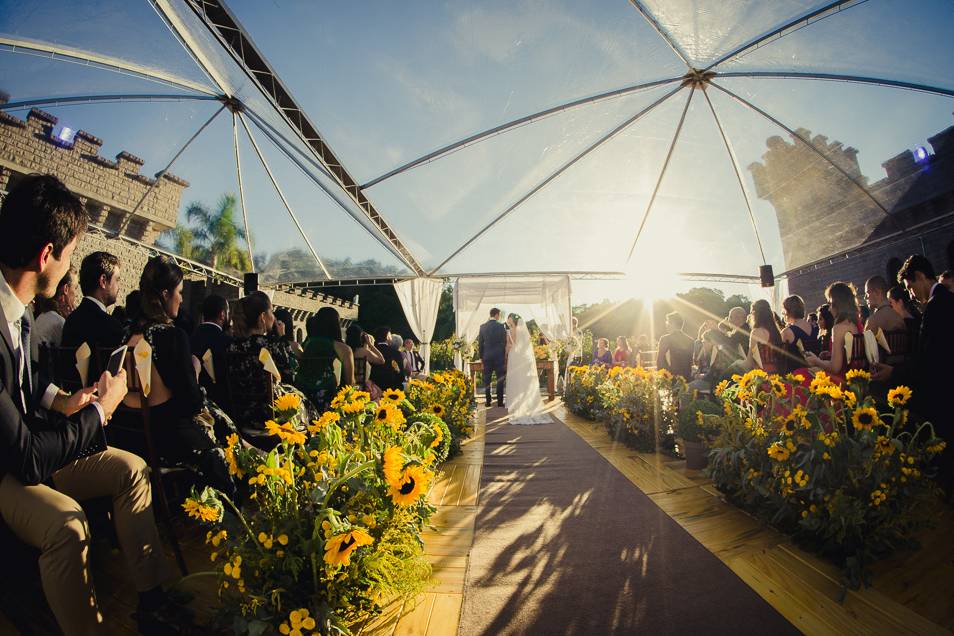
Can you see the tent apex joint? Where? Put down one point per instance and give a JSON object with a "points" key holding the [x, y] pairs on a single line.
{"points": [[698, 78]]}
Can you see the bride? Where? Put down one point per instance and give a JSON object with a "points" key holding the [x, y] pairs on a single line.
{"points": [[522, 390]]}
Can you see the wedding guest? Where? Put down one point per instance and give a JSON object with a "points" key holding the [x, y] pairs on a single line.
{"points": [[210, 336], [365, 353], [813, 319], [133, 308], [390, 374], [765, 341], [252, 319], [284, 333], [826, 322], [51, 313], [900, 301], [882, 316], [947, 279], [602, 356], [928, 372], [316, 376], [90, 322], [675, 348], [739, 333], [702, 348], [48, 461], [844, 309], [413, 361], [642, 348], [799, 334], [623, 354]]}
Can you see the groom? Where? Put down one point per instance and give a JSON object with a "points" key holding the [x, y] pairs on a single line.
{"points": [[492, 346]]}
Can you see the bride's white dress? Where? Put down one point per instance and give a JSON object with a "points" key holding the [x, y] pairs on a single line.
{"points": [[522, 389]]}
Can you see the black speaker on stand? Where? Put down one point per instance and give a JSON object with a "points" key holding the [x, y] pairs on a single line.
{"points": [[765, 275], [250, 283]]}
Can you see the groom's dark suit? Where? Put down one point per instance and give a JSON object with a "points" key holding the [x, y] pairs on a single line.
{"points": [[492, 348]]}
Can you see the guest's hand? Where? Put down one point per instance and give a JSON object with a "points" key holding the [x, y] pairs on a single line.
{"points": [[812, 359], [70, 403], [112, 390], [881, 372]]}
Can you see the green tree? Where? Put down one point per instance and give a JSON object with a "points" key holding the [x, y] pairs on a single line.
{"points": [[179, 240], [220, 240]]}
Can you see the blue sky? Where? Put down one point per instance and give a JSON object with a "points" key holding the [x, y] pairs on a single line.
{"points": [[387, 82]]}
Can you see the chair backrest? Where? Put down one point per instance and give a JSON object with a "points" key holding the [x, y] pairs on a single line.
{"points": [[858, 359], [900, 345], [771, 358], [59, 365]]}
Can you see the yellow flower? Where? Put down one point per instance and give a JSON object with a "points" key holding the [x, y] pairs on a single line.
{"points": [[788, 426], [265, 540], [287, 402], [884, 446], [865, 418], [286, 432], [390, 415], [778, 388], [393, 395], [229, 451], [201, 512], [339, 548], [438, 436], [720, 387], [411, 486], [437, 410], [393, 464], [899, 396], [778, 452], [283, 539], [937, 447], [328, 417], [857, 373]]}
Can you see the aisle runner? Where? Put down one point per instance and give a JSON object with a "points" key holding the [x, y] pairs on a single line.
{"points": [[565, 544]]}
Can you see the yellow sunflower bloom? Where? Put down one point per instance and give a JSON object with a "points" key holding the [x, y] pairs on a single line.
{"points": [[865, 418], [393, 395], [339, 548], [720, 387], [437, 410], [412, 485], [857, 373], [390, 415], [328, 417], [286, 432], [438, 436], [899, 396], [287, 402], [393, 464], [201, 512]]}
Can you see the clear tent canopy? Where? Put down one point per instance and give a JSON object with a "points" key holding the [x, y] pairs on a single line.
{"points": [[421, 139]]}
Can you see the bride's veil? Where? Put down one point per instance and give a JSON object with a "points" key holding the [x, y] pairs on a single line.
{"points": [[522, 388]]}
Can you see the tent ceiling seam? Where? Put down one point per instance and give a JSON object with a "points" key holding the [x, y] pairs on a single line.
{"points": [[90, 99], [238, 174], [662, 174], [835, 77], [654, 23], [558, 172]]}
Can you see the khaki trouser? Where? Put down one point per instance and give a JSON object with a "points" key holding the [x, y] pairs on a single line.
{"points": [[53, 522]]}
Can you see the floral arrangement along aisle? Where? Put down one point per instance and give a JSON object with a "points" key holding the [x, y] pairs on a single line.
{"points": [[448, 395], [825, 464], [638, 406], [331, 528]]}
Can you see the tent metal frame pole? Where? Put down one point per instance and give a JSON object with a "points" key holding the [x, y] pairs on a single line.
{"points": [[809, 145], [96, 60], [238, 174], [654, 23], [542, 184], [738, 174], [234, 38], [128, 217], [662, 174], [837, 77], [275, 136], [792, 25], [502, 128], [281, 195], [91, 99]]}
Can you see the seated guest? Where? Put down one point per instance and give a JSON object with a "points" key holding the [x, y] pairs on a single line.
{"points": [[389, 375], [947, 279], [844, 309], [413, 362], [252, 319], [51, 313], [176, 403], [765, 341], [826, 322], [316, 375], [901, 303], [90, 322], [882, 316], [365, 353], [799, 334], [210, 336], [397, 344], [928, 372], [675, 348], [738, 333], [622, 355], [641, 350], [45, 468], [602, 356], [702, 348], [284, 333]]}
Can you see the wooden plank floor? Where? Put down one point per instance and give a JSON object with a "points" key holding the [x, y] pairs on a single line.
{"points": [[913, 592]]}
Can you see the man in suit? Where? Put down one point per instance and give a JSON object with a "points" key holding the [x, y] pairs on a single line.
{"points": [[675, 348], [413, 361], [210, 336], [389, 375], [90, 322], [927, 373], [52, 446], [492, 349]]}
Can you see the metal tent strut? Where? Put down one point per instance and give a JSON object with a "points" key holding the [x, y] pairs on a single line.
{"points": [[281, 195], [542, 184], [238, 174], [233, 37], [654, 23], [662, 174], [45, 102], [738, 174], [838, 77]]}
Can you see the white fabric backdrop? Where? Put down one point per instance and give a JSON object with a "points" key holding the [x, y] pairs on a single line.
{"points": [[420, 298], [775, 295], [545, 299]]}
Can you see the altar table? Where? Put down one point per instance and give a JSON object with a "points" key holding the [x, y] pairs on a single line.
{"points": [[548, 367]]}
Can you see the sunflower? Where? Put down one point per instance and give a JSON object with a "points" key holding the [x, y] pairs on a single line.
{"points": [[287, 402], [393, 465], [899, 396], [778, 452], [437, 410], [328, 417], [857, 373], [393, 395], [778, 388], [438, 436], [864, 418], [201, 512], [338, 549], [286, 432], [788, 426], [390, 415], [411, 486]]}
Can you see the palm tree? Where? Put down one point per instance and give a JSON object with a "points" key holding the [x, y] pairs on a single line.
{"points": [[218, 235], [179, 240]]}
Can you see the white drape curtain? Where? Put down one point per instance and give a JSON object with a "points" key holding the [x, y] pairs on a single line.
{"points": [[544, 299], [420, 298]]}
